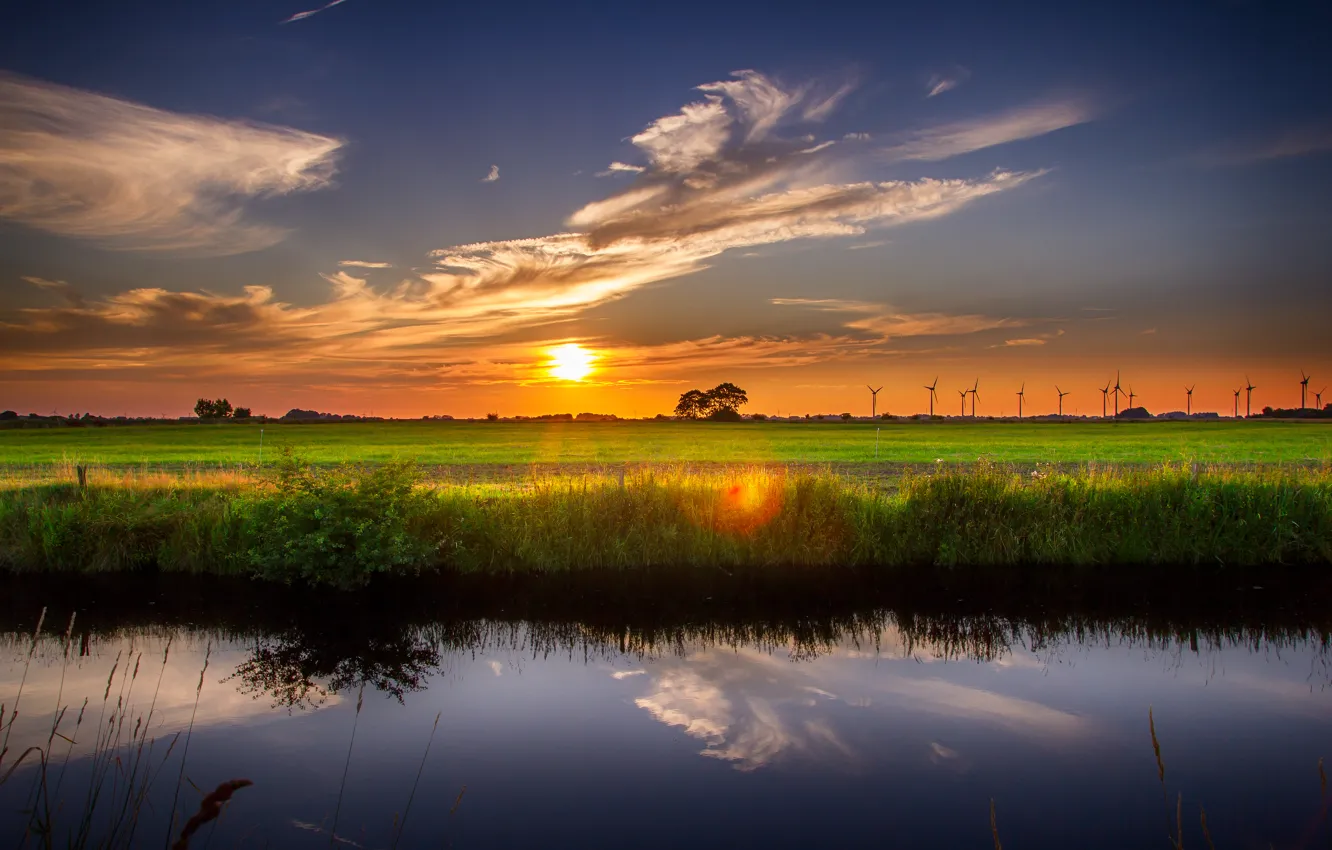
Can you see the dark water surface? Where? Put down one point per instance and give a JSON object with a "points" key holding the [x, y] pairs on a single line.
{"points": [[614, 723]]}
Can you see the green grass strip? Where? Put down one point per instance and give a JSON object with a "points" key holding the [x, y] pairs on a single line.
{"points": [[342, 526]]}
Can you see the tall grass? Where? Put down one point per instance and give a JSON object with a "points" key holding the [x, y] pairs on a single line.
{"points": [[344, 525]]}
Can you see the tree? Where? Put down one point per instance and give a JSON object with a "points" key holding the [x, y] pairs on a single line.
{"points": [[726, 397], [693, 404], [206, 408], [241, 413]]}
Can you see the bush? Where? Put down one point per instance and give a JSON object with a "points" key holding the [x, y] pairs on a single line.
{"points": [[725, 415], [338, 526]]}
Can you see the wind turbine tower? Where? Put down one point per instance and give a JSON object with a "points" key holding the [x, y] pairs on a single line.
{"points": [[1237, 392], [974, 395], [874, 401], [1189, 392], [1061, 399], [1019, 395], [1105, 391], [1248, 397], [1131, 396], [1118, 393], [1304, 389], [963, 393], [933, 394], [1318, 398]]}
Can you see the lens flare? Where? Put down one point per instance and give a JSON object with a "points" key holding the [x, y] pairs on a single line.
{"points": [[571, 362]]}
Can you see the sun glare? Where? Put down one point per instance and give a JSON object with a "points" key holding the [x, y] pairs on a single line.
{"points": [[571, 362]]}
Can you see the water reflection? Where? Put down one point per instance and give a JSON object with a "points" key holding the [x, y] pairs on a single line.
{"points": [[690, 720]]}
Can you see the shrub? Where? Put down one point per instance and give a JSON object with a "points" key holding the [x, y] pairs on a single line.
{"points": [[336, 526]]}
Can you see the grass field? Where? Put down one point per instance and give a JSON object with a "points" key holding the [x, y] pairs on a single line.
{"points": [[462, 443]]}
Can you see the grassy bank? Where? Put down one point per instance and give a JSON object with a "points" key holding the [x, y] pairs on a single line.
{"points": [[343, 526]]}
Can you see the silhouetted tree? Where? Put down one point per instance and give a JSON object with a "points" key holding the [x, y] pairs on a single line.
{"points": [[693, 404], [206, 408], [726, 397], [241, 413]]}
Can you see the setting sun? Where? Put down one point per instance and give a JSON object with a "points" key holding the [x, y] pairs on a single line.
{"points": [[571, 362]]}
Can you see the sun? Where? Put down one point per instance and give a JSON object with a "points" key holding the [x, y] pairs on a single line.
{"points": [[570, 362]]}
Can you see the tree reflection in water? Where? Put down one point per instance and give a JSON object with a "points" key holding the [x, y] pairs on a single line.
{"points": [[304, 647]]}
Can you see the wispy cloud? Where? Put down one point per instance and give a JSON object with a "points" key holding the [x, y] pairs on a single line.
{"points": [[1293, 143], [821, 146], [856, 137], [1020, 343], [621, 168], [365, 264], [60, 287], [721, 176], [937, 84], [885, 323], [949, 140], [492, 175], [300, 16], [81, 164]]}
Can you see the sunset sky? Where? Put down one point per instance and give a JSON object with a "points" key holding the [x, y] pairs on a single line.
{"points": [[404, 208]]}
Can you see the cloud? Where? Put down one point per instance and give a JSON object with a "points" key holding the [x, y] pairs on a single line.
{"points": [[492, 175], [81, 164], [885, 323], [300, 16], [860, 246], [1148, 332], [43, 283], [949, 140], [1019, 343], [856, 137], [621, 168], [940, 83], [1293, 143], [721, 177], [365, 264], [60, 287], [626, 674], [821, 146]]}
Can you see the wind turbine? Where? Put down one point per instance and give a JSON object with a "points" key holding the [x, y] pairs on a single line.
{"points": [[974, 396], [1131, 395], [963, 393], [874, 400], [1118, 393], [1019, 395], [1318, 398], [1237, 392], [1189, 392], [1248, 397], [1304, 388], [1105, 391], [1061, 399], [933, 394]]}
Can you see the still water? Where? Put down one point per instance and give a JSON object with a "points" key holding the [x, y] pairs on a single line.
{"points": [[892, 727]]}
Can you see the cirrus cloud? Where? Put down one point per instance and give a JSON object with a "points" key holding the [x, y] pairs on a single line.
{"points": [[720, 176], [81, 164]]}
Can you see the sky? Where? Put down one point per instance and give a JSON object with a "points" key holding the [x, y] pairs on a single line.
{"points": [[399, 209]]}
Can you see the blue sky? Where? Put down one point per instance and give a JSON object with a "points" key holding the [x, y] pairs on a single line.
{"points": [[1053, 192]]}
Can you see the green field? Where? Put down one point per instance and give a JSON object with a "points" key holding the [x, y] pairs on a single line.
{"points": [[463, 443]]}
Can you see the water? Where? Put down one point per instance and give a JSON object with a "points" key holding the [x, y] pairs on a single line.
{"points": [[859, 725]]}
